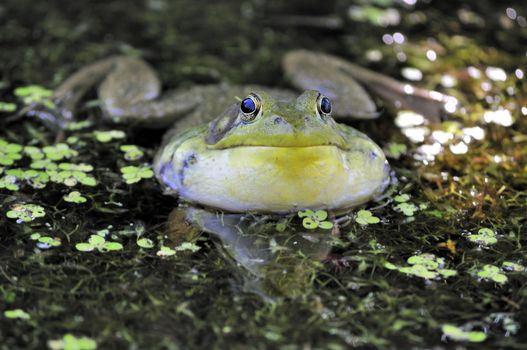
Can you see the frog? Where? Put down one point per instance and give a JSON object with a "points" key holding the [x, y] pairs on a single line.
{"points": [[203, 136], [277, 155]]}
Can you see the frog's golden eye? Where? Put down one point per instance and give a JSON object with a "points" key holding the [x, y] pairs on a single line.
{"points": [[323, 105], [250, 107]]}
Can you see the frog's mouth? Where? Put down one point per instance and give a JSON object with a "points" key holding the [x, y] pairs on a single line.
{"points": [[280, 145]]}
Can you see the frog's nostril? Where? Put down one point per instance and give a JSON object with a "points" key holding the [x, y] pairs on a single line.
{"points": [[278, 120]]}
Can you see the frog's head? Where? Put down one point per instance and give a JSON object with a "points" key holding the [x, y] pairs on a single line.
{"points": [[260, 120]]}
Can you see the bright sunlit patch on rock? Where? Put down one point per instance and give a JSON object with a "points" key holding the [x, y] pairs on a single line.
{"points": [[496, 74], [524, 110], [500, 117], [416, 134], [459, 148], [406, 119], [409, 89], [442, 136], [411, 73], [476, 133]]}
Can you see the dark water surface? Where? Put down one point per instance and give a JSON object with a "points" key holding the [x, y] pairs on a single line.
{"points": [[445, 267]]}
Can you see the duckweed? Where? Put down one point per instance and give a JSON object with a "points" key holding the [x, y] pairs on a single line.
{"points": [[165, 251], [45, 242], [365, 217], [492, 273], [99, 243], [457, 334], [510, 266], [26, 212], [7, 107], [75, 197], [109, 135], [17, 313], [9, 152], [395, 150], [313, 219], [131, 152], [35, 94], [132, 174], [427, 266], [145, 243], [485, 236], [71, 342], [59, 151]]}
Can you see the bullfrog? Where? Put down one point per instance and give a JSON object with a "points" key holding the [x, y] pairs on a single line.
{"points": [[273, 155], [272, 151]]}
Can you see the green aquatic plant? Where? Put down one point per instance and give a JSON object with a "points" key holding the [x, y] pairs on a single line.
{"points": [[75, 126], [485, 236], [145, 243], [407, 209], [365, 217], [71, 178], [9, 182], [17, 313], [132, 174], [99, 243], [457, 334], [395, 150], [7, 107], [35, 94], [86, 168], [33, 152], [165, 251], [59, 151], [510, 266], [75, 197], [492, 273], [71, 342], [26, 212], [45, 242], [9, 152], [427, 266], [109, 135], [131, 152], [187, 246], [313, 219]]}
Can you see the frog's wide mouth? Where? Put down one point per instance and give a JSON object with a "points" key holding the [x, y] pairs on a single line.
{"points": [[279, 146]]}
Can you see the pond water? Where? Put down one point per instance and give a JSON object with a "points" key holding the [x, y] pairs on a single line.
{"points": [[93, 255]]}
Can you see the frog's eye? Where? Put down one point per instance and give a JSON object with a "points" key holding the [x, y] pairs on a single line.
{"points": [[250, 107], [323, 105]]}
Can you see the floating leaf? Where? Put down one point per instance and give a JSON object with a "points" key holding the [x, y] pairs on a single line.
{"points": [[457, 334], [17, 313], [365, 217], [75, 197], [145, 243]]}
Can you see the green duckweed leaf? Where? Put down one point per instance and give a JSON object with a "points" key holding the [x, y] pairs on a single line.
{"points": [[365, 217], [75, 197], [17, 313], [145, 243]]}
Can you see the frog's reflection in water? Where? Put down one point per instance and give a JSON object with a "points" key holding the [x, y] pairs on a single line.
{"points": [[273, 257]]}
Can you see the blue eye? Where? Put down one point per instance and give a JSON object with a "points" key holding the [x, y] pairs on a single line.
{"points": [[324, 105], [250, 107]]}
